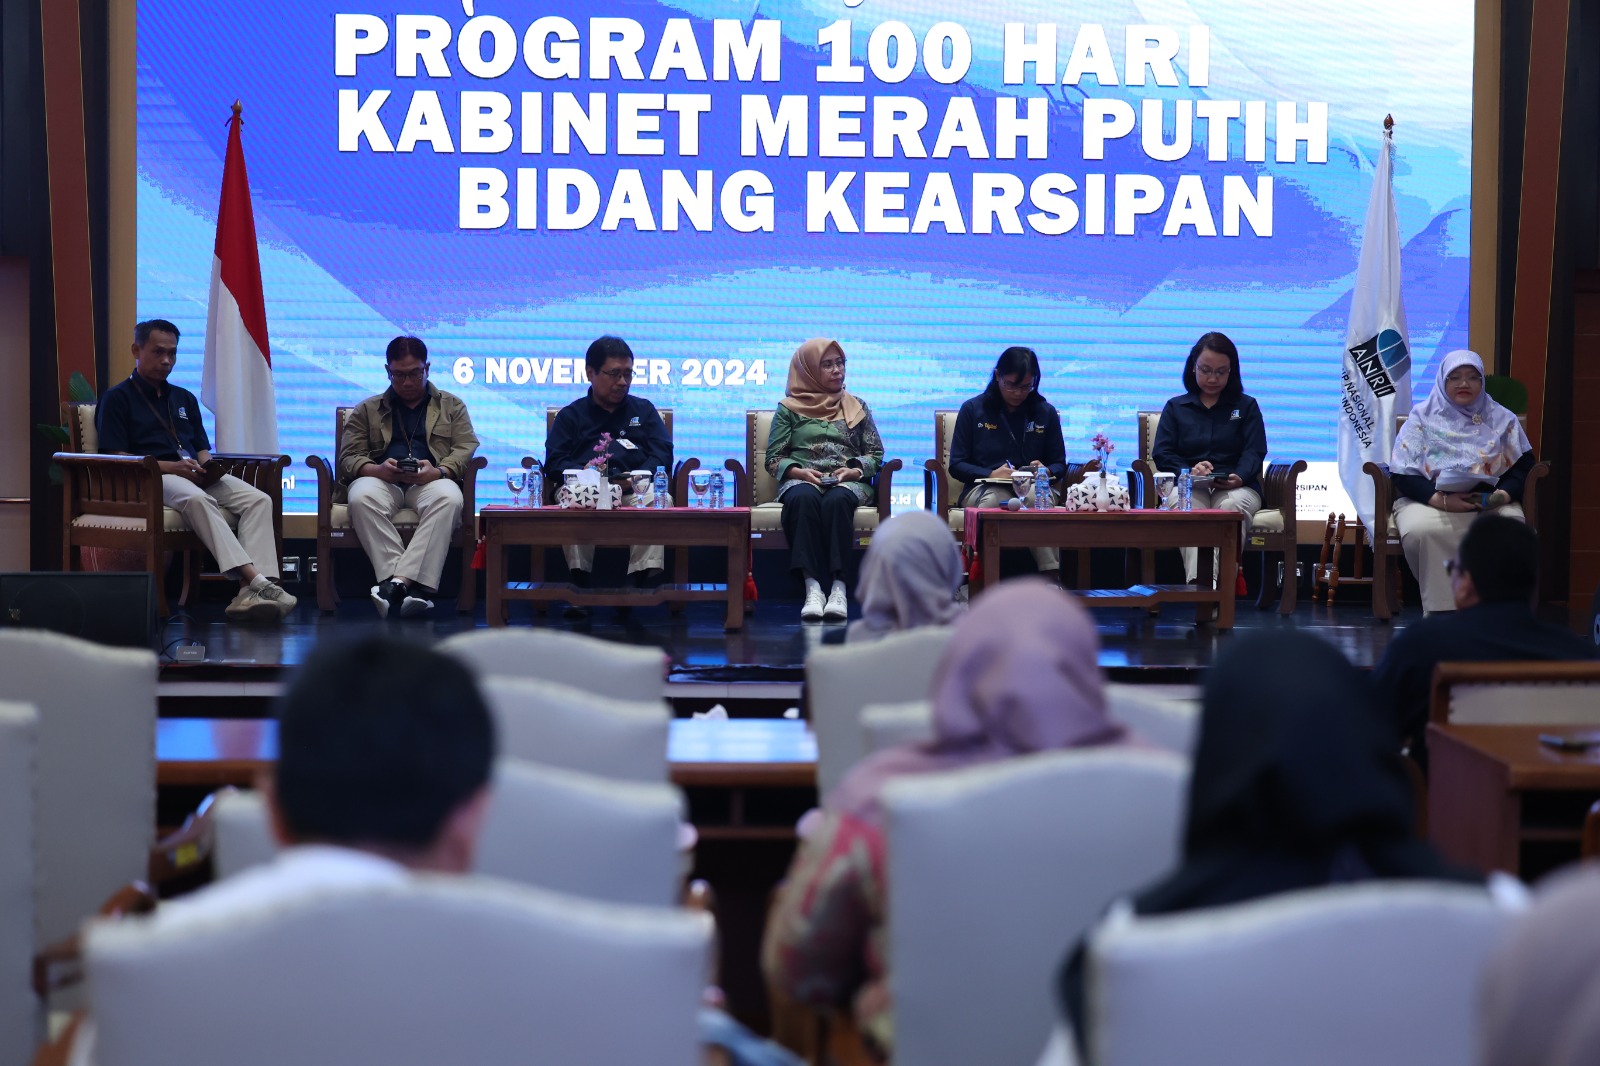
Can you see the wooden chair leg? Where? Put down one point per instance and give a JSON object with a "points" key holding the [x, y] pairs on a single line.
{"points": [[1381, 602], [1083, 567], [1289, 597], [154, 557], [327, 598], [680, 576], [467, 598]]}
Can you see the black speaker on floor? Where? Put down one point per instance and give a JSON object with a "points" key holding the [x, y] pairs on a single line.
{"points": [[107, 608]]}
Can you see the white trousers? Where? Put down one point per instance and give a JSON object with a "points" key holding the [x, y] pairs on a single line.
{"points": [[996, 496], [640, 556], [373, 505], [1246, 501], [1429, 537], [203, 510]]}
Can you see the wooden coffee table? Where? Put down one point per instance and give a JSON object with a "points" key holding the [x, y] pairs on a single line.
{"points": [[674, 527], [990, 530]]}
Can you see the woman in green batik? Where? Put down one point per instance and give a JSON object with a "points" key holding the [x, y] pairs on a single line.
{"points": [[824, 452]]}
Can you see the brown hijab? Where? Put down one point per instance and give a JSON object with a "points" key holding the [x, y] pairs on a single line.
{"points": [[807, 394]]}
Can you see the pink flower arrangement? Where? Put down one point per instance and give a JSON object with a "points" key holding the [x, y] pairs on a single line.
{"points": [[1102, 447], [602, 446]]}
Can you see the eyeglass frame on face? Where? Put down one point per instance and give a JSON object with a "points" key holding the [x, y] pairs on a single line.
{"points": [[1212, 372], [829, 365], [1008, 386], [619, 374], [418, 374], [1455, 378]]}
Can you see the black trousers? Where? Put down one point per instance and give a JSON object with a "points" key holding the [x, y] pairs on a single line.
{"points": [[821, 529]]}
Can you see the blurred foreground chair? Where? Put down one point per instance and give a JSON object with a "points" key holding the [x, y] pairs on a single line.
{"points": [[995, 872], [1516, 693], [1377, 974], [21, 1011], [440, 971], [601, 667], [553, 725]]}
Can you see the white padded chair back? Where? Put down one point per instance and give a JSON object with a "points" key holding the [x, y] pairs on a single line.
{"points": [[96, 797], [944, 436], [88, 433], [20, 1010], [1377, 974], [842, 679], [1173, 725], [763, 487], [601, 667], [889, 725], [241, 832], [441, 970], [612, 841], [995, 872], [550, 724], [1527, 703]]}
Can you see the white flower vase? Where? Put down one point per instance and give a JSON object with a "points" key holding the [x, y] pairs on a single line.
{"points": [[1102, 494]]}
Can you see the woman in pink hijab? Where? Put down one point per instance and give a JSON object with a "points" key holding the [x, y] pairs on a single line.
{"points": [[1022, 675]]}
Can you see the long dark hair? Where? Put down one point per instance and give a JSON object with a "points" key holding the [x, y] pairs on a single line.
{"points": [[1219, 343], [1013, 361]]}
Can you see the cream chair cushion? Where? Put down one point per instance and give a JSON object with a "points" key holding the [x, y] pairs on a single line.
{"points": [[605, 668], [339, 517], [21, 1016], [1526, 703], [768, 518], [433, 970], [88, 432], [1379, 974], [568, 728]]}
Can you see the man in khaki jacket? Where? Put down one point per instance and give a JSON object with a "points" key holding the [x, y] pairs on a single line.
{"points": [[406, 448]]}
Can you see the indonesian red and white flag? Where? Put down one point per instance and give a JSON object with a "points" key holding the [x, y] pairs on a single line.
{"points": [[236, 381]]}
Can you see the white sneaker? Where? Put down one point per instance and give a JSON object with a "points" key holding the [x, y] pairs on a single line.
{"points": [[279, 597], [412, 606], [250, 606], [837, 609], [813, 609]]}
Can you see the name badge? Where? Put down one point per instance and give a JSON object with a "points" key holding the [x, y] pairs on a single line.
{"points": [[627, 444], [1235, 416]]}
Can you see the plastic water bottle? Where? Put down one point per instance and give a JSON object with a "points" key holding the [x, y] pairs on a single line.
{"points": [[1041, 489], [536, 486], [717, 488], [1185, 490], [663, 497]]}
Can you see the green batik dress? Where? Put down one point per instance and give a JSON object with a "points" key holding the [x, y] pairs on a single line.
{"points": [[826, 447]]}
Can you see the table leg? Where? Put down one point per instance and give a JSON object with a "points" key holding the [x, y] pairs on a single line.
{"points": [[738, 568], [494, 576], [1228, 580], [990, 567], [680, 575]]}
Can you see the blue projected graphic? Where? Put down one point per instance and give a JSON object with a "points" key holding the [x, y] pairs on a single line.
{"points": [[929, 182]]}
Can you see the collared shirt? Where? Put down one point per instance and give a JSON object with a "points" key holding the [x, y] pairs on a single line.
{"points": [[369, 432], [136, 418], [1230, 436], [409, 434], [578, 427], [987, 437]]}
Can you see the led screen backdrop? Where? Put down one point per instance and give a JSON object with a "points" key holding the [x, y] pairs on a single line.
{"points": [[927, 181]]}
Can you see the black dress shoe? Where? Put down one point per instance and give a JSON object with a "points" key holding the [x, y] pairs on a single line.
{"points": [[651, 578]]}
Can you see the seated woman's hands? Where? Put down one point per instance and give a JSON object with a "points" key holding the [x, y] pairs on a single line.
{"points": [[849, 473], [1455, 502], [803, 473]]}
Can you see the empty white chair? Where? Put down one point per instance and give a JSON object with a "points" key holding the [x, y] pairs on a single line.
{"points": [[602, 667], [995, 872], [1518, 693], [95, 812], [890, 725], [1376, 974], [441, 970], [21, 1017], [842, 679], [1166, 723], [552, 724], [241, 832]]}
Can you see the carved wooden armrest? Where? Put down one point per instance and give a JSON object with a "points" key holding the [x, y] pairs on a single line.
{"points": [[745, 482], [933, 486], [1147, 483], [326, 483], [1279, 491], [885, 487], [1382, 500], [680, 480]]}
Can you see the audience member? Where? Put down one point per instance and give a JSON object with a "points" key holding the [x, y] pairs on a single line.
{"points": [[409, 447], [909, 577], [147, 415], [1494, 577], [823, 450], [1296, 784], [1022, 675], [1540, 1003]]}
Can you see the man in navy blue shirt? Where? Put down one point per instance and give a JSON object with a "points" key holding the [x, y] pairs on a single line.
{"points": [[145, 415], [638, 440]]}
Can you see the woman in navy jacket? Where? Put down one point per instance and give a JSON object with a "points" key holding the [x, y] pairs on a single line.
{"points": [[1009, 427], [1214, 430]]}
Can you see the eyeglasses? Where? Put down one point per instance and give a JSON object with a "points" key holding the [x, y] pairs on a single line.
{"points": [[409, 375], [1017, 386], [1470, 377], [618, 375], [831, 364], [1208, 372]]}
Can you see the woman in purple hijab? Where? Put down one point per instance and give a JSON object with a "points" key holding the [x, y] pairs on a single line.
{"points": [[1022, 675]]}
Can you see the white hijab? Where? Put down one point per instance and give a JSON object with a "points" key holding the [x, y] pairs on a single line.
{"points": [[1481, 438]]}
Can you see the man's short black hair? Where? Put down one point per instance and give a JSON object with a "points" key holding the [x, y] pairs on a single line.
{"points": [[1502, 555], [142, 331], [401, 347], [379, 742], [607, 347]]}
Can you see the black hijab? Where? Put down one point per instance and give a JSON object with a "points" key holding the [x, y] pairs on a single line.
{"points": [[1297, 782]]}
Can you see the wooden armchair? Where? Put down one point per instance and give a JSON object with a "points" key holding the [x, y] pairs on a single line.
{"points": [[1516, 693], [941, 490], [1274, 531], [1386, 550], [758, 489], [115, 502], [335, 531]]}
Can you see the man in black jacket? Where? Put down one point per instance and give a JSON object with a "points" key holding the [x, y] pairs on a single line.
{"points": [[635, 439], [1494, 578]]}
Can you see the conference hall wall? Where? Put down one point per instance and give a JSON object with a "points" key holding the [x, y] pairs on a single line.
{"points": [[927, 181]]}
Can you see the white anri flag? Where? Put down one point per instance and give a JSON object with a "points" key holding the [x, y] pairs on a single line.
{"points": [[1375, 384]]}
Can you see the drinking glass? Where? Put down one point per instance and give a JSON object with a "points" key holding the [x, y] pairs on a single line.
{"points": [[699, 483], [517, 482]]}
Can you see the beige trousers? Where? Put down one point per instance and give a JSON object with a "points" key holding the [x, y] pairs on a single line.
{"points": [[1429, 537], [640, 556], [373, 505], [1246, 501], [996, 496], [203, 510]]}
